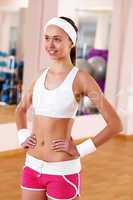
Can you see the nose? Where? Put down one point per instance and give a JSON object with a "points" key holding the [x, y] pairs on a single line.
{"points": [[51, 43]]}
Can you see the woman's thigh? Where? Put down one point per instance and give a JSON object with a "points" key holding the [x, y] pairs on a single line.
{"points": [[33, 195]]}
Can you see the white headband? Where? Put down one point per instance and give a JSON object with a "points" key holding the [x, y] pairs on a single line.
{"points": [[66, 26]]}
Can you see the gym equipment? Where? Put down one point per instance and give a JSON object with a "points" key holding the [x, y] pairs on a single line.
{"points": [[83, 64], [98, 65], [98, 52]]}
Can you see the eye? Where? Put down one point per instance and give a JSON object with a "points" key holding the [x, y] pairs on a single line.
{"points": [[46, 38], [57, 39]]}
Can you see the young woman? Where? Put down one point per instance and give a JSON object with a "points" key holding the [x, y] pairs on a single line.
{"points": [[52, 166]]}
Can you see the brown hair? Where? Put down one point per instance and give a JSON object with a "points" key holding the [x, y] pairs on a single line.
{"points": [[73, 50]]}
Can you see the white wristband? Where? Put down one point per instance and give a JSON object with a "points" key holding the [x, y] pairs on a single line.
{"points": [[86, 147], [23, 134]]}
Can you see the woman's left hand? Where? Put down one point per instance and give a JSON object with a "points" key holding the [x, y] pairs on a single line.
{"points": [[67, 146]]}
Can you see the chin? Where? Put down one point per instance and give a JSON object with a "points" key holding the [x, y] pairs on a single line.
{"points": [[53, 57]]}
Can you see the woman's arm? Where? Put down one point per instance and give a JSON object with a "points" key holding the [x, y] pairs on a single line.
{"points": [[22, 108], [25, 137], [25, 103], [89, 87]]}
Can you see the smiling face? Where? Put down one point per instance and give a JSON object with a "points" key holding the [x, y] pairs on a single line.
{"points": [[57, 43]]}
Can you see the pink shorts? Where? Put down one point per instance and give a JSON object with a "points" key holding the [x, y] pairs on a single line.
{"points": [[61, 180]]}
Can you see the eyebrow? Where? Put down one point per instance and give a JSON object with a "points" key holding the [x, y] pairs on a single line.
{"points": [[53, 36]]}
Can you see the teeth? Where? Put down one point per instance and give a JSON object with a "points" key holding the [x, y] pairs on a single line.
{"points": [[51, 52]]}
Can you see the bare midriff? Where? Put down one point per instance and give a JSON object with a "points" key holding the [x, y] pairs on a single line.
{"points": [[47, 129]]}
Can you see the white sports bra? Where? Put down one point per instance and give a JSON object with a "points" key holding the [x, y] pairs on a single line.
{"points": [[59, 102]]}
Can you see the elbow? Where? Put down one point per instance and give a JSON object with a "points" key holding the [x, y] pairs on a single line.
{"points": [[19, 110], [117, 126]]}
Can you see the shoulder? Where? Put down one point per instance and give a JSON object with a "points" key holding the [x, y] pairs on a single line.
{"points": [[86, 82], [41, 71], [38, 74], [84, 76]]}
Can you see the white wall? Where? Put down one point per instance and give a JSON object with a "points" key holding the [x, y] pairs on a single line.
{"points": [[119, 81], [68, 7], [102, 31], [8, 139]]}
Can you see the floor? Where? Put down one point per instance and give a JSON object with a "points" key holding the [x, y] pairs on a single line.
{"points": [[7, 114], [106, 174]]}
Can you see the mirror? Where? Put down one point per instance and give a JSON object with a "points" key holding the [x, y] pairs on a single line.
{"points": [[92, 49], [11, 65]]}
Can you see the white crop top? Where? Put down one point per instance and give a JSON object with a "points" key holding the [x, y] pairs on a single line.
{"points": [[59, 102]]}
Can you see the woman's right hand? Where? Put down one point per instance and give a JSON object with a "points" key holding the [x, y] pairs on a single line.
{"points": [[30, 142]]}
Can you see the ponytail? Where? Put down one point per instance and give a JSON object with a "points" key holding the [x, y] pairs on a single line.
{"points": [[73, 55]]}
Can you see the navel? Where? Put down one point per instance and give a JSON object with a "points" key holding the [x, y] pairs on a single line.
{"points": [[42, 143]]}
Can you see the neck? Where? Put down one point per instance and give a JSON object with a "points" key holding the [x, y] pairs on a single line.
{"points": [[60, 65]]}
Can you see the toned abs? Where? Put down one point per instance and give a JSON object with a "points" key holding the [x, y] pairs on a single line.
{"points": [[47, 129]]}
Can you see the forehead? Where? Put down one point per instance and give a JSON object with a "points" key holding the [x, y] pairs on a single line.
{"points": [[52, 30]]}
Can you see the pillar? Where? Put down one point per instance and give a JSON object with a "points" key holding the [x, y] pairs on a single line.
{"points": [[36, 16]]}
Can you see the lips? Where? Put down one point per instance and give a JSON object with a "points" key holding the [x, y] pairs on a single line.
{"points": [[52, 52]]}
